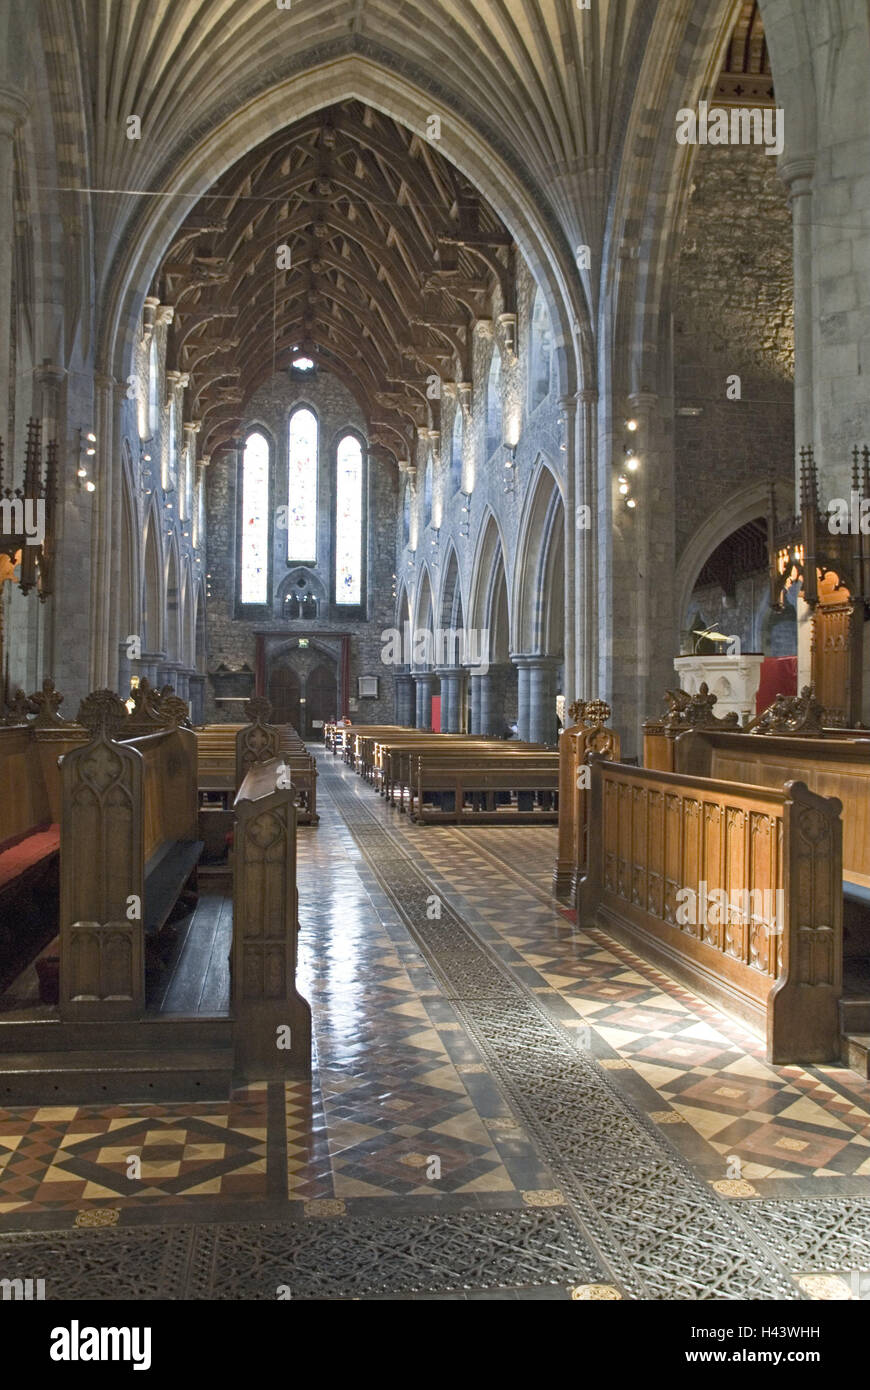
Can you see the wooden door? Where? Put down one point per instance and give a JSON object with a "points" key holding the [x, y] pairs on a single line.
{"points": [[284, 697], [321, 698]]}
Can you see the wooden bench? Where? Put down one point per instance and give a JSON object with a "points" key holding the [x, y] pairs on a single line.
{"points": [[392, 772], [221, 768], [664, 847], [273, 1032], [129, 851], [467, 787]]}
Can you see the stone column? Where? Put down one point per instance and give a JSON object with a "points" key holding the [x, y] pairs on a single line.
{"points": [[523, 710], [125, 671], [149, 664], [543, 725], [404, 686], [14, 111], [197, 698], [474, 687], [423, 681], [167, 674], [586, 600], [452, 691], [798, 177], [569, 416]]}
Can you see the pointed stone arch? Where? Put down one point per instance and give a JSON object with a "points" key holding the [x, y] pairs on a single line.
{"points": [[153, 587], [539, 587]]}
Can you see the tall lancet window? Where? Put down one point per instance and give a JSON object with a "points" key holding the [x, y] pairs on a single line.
{"points": [[302, 487], [456, 452], [255, 520], [348, 521]]}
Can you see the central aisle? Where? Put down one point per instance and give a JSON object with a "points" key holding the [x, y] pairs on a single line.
{"points": [[502, 1107]]}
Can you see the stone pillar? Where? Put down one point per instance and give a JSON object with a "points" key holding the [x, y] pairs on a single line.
{"points": [[571, 518], [452, 702], [405, 698], [587, 601], [149, 664], [14, 111], [543, 725], [523, 711], [798, 176], [167, 674], [474, 686], [197, 698], [423, 681], [125, 671]]}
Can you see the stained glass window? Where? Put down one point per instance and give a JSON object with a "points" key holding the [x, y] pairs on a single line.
{"points": [[348, 521], [406, 515], [302, 483], [255, 520]]}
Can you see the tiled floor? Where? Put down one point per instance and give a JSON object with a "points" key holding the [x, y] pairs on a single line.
{"points": [[501, 1105]]}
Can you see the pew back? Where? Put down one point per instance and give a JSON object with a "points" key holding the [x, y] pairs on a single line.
{"points": [[735, 889], [830, 767]]}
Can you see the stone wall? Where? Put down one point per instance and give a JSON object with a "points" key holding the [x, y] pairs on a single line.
{"points": [[733, 314], [231, 640]]}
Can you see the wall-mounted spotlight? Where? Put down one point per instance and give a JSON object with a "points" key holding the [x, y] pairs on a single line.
{"points": [[631, 426]]}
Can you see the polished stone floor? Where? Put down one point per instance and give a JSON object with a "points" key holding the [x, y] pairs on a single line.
{"points": [[502, 1107]]}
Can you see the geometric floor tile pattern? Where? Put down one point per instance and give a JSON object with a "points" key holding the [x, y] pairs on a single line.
{"points": [[502, 1105]]}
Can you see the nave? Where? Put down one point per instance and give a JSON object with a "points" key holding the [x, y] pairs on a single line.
{"points": [[502, 1106]]}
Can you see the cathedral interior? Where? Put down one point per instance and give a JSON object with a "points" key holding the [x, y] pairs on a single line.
{"points": [[435, 646]]}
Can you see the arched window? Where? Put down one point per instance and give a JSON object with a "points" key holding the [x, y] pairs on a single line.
{"points": [[153, 398], [456, 452], [255, 520], [541, 355], [348, 521], [302, 487], [406, 514], [493, 404], [170, 451], [427, 492]]}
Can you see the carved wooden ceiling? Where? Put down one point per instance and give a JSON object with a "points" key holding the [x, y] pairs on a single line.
{"points": [[746, 78], [393, 257]]}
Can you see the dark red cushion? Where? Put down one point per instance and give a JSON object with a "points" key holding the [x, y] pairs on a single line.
{"points": [[23, 853]]}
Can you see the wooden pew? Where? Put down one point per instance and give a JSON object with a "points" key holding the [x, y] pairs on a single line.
{"points": [[392, 770], [833, 767], [789, 715], [129, 850], [273, 1034], [220, 770], [587, 735], [30, 830], [665, 846], [532, 776]]}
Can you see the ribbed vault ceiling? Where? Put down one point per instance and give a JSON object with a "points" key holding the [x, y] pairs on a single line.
{"points": [[393, 256]]}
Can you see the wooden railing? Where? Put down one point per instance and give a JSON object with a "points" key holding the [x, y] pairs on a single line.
{"points": [[734, 889]]}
